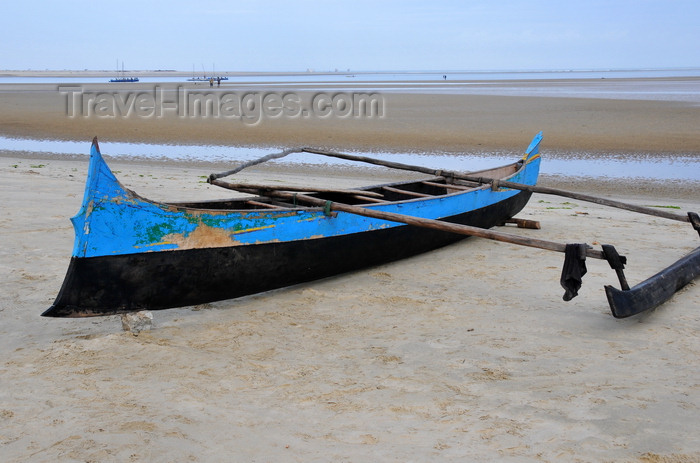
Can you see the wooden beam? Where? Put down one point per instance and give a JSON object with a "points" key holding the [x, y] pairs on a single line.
{"points": [[261, 204], [406, 192], [370, 200], [449, 186]]}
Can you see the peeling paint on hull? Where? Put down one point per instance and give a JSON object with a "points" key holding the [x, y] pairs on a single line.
{"points": [[154, 281], [133, 254]]}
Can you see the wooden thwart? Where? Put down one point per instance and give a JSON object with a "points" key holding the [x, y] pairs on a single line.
{"points": [[405, 192], [449, 186], [263, 205], [369, 200]]}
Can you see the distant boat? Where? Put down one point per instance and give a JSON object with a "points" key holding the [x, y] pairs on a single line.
{"points": [[122, 77], [205, 78]]}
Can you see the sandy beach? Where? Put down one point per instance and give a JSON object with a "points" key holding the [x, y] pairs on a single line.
{"points": [[467, 353]]}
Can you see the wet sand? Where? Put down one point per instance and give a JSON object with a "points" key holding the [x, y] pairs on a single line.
{"points": [[467, 353], [408, 121]]}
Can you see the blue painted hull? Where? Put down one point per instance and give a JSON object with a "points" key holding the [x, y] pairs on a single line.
{"points": [[133, 254]]}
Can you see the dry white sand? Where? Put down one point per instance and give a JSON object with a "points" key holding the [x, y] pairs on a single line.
{"points": [[467, 353]]}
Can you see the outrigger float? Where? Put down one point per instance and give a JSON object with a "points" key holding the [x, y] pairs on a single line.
{"points": [[132, 254]]}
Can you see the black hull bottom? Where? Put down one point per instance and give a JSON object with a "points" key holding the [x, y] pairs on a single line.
{"points": [[161, 280]]}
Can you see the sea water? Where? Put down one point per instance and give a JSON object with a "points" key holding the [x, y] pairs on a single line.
{"points": [[630, 165]]}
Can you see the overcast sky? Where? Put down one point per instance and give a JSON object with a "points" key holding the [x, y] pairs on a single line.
{"points": [[274, 35]]}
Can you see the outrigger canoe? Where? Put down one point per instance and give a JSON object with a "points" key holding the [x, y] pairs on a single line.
{"points": [[133, 254]]}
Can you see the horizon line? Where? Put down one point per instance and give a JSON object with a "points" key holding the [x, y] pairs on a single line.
{"points": [[367, 71]]}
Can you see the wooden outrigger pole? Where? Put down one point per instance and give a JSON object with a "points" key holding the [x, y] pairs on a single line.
{"points": [[623, 302], [503, 184]]}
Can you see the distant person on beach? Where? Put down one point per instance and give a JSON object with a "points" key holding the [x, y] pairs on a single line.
{"points": [[211, 81], [218, 81]]}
